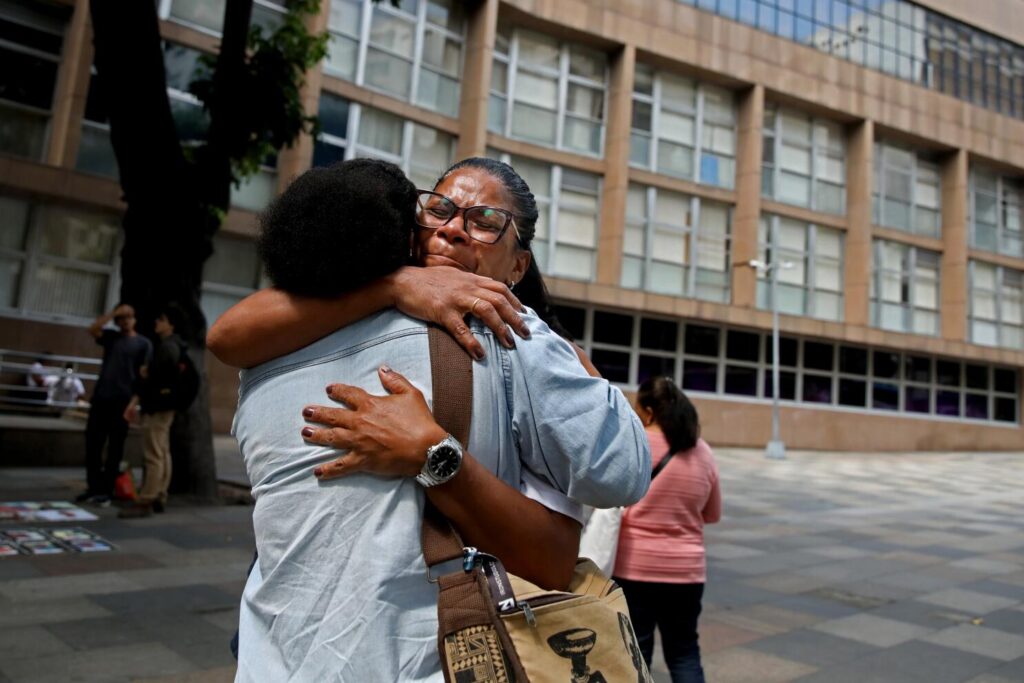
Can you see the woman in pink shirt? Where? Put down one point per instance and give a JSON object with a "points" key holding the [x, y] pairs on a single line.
{"points": [[660, 562]]}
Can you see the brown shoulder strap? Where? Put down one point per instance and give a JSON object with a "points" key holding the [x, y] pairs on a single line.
{"points": [[451, 371]]}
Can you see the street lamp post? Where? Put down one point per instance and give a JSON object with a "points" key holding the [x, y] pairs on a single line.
{"points": [[776, 449]]}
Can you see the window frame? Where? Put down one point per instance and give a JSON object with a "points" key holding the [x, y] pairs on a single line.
{"points": [[655, 101], [811, 262], [691, 234], [883, 151], [1005, 237], [909, 283], [31, 258], [902, 381], [564, 79], [815, 149], [999, 296]]}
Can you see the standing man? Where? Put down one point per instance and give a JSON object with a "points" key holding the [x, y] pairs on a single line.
{"points": [[158, 401], [125, 353]]}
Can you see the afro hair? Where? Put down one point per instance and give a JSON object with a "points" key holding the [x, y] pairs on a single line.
{"points": [[338, 228]]}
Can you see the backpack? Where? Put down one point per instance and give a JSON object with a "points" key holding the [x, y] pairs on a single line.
{"points": [[187, 385]]}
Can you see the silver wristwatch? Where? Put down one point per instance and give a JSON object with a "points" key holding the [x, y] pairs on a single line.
{"points": [[443, 462]]}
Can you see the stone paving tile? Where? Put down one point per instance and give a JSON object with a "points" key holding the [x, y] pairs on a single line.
{"points": [[17, 568], [742, 665], [27, 613], [29, 641], [106, 664], [945, 551], [718, 635], [971, 602], [786, 582], [1013, 670], [872, 629], [730, 551], [912, 662], [986, 566], [767, 619], [812, 648], [980, 641], [838, 552], [197, 598], [923, 614], [93, 634], [856, 569], [990, 678], [770, 563], [995, 586], [1009, 620], [735, 594], [820, 607], [90, 563], [64, 587]]}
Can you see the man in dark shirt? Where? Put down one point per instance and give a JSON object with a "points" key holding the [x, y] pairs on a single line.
{"points": [[158, 400], [125, 353]]}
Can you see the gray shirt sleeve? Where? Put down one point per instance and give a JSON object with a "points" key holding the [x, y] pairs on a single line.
{"points": [[574, 431]]}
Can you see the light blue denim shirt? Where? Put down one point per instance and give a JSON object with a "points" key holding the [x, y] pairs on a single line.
{"points": [[340, 591]]}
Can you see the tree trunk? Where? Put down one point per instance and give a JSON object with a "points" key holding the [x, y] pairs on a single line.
{"points": [[170, 219]]}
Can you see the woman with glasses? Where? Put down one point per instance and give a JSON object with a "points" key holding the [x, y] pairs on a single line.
{"points": [[473, 237]]}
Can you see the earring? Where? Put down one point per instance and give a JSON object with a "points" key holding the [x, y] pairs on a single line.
{"points": [[511, 284]]}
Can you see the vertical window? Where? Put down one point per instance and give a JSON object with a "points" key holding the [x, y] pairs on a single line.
{"points": [[809, 259], [568, 201], [350, 130], [675, 244], [997, 305], [804, 161], [995, 205], [905, 288], [31, 38], [682, 128], [553, 93], [907, 191], [232, 273], [208, 15], [56, 261], [95, 153]]}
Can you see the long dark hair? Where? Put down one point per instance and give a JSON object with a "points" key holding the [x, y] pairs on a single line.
{"points": [[673, 412], [531, 290]]}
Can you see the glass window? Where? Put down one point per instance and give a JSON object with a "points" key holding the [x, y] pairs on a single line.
{"points": [[422, 152], [413, 49], [996, 305], [548, 92], [666, 250], [897, 38], [905, 288], [995, 209], [804, 161], [810, 267], [907, 194], [683, 128], [30, 50], [56, 261]]}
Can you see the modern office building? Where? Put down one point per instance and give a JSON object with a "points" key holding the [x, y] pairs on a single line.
{"points": [[871, 150]]}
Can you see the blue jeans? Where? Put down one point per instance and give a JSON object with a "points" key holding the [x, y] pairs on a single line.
{"points": [[673, 608]]}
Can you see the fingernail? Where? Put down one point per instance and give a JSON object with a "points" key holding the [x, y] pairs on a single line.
{"points": [[385, 369], [510, 339], [525, 331], [307, 412], [478, 354], [307, 431], [329, 387], [318, 472]]}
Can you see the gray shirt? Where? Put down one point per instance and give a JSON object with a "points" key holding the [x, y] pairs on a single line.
{"points": [[340, 591], [123, 355]]}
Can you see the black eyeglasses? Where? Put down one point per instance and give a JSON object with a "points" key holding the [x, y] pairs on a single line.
{"points": [[485, 224]]}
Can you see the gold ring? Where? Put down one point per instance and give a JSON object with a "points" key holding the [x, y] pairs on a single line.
{"points": [[472, 309]]}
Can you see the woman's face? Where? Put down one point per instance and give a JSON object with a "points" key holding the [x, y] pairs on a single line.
{"points": [[450, 245]]}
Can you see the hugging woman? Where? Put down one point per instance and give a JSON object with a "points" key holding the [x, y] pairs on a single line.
{"points": [[340, 588]]}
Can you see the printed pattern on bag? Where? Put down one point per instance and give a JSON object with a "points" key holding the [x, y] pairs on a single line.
{"points": [[575, 644], [474, 655], [633, 648]]}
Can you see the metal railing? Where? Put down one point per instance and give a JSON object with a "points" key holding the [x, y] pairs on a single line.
{"points": [[18, 393]]}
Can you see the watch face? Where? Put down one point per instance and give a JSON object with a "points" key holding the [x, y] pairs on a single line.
{"points": [[444, 462]]}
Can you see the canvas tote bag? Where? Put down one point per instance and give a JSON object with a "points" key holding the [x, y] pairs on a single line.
{"points": [[495, 627]]}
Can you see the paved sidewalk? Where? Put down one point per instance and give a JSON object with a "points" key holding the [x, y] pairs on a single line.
{"points": [[826, 567], [839, 568]]}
